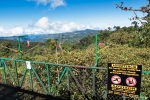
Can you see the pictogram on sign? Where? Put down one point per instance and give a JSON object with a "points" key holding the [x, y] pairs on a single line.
{"points": [[116, 79], [131, 81]]}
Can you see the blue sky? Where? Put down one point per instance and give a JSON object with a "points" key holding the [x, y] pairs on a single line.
{"points": [[19, 17]]}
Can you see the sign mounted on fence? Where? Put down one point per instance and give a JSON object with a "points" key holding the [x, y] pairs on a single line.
{"points": [[124, 79], [28, 64]]}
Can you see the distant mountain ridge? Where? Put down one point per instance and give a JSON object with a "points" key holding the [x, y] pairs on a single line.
{"points": [[67, 36]]}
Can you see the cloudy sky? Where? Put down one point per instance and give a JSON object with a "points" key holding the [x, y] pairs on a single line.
{"points": [[19, 17]]}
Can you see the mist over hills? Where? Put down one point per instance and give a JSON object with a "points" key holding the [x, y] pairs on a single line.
{"points": [[67, 36]]}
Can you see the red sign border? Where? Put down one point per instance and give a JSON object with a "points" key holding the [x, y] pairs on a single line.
{"points": [[133, 79], [117, 76]]}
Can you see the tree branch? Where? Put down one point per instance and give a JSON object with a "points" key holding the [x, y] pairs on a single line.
{"points": [[143, 23], [130, 8]]}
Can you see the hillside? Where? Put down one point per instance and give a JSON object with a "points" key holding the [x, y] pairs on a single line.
{"points": [[67, 37]]}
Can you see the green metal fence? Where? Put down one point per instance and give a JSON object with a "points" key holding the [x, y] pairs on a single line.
{"points": [[66, 81]]}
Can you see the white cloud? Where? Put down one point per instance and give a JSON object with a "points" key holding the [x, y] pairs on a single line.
{"points": [[53, 3], [15, 31], [42, 23], [44, 2], [44, 26], [56, 3], [1, 29]]}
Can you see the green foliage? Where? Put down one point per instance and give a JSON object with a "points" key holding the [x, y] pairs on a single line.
{"points": [[135, 23], [104, 35], [51, 45], [129, 45], [67, 46], [116, 27], [85, 42], [5, 51], [120, 37], [141, 37]]}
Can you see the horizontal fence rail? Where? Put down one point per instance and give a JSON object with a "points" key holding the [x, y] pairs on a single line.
{"points": [[70, 82]]}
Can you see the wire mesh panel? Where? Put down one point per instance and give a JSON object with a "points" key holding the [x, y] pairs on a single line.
{"points": [[81, 82], [145, 86], [58, 81], [101, 83]]}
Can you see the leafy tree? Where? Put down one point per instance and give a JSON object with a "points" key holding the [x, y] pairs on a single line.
{"points": [[120, 37], [104, 35], [116, 27], [4, 50], [51, 45], [109, 28], [85, 42], [67, 46], [135, 23], [141, 37]]}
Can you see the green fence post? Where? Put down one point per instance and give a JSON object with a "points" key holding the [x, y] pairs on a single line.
{"points": [[142, 98], [68, 83], [96, 65], [0, 64], [16, 72], [31, 82], [48, 76], [97, 52], [19, 47], [5, 82]]}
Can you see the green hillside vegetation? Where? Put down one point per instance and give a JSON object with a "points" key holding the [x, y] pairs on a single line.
{"points": [[129, 45], [125, 45]]}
